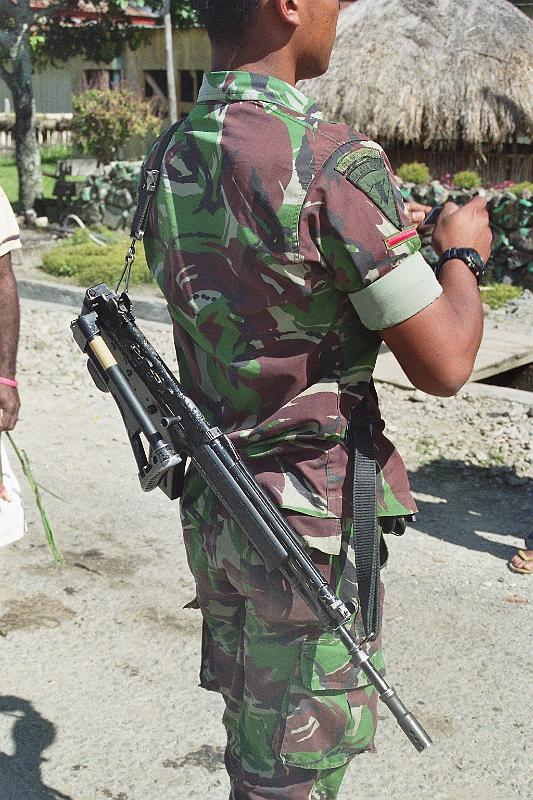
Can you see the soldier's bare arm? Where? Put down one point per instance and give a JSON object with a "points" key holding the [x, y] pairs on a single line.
{"points": [[9, 334], [437, 347]]}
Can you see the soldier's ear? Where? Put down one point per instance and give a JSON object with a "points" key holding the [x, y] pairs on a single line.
{"points": [[289, 11]]}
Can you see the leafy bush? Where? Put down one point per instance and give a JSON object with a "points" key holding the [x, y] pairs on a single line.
{"points": [[88, 263], [497, 294], [466, 179], [414, 172], [51, 154], [519, 188], [104, 119]]}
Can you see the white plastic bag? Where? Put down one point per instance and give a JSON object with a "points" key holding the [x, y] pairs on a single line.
{"points": [[12, 525]]}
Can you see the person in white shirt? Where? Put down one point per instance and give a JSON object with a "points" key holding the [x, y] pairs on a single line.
{"points": [[9, 317]]}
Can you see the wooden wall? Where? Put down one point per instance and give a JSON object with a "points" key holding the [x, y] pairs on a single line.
{"points": [[513, 163]]}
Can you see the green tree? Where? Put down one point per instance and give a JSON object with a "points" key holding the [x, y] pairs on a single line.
{"points": [[33, 36]]}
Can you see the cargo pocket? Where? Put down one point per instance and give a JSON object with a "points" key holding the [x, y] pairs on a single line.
{"points": [[208, 678], [330, 709]]}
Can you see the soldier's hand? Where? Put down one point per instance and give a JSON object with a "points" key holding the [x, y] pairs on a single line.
{"points": [[9, 407], [465, 226], [417, 211]]}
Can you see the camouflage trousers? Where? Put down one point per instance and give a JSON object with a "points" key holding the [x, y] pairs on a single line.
{"points": [[296, 709]]}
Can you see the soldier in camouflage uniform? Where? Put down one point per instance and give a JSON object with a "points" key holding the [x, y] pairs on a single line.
{"points": [[283, 247]]}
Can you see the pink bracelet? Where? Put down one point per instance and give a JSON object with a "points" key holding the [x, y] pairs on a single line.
{"points": [[9, 382]]}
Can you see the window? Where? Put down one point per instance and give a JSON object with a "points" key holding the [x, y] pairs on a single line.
{"points": [[186, 86], [190, 82], [156, 84]]}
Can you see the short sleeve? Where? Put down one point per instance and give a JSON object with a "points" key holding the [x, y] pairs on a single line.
{"points": [[9, 229], [355, 218]]}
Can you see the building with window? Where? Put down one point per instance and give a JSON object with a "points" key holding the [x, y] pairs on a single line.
{"points": [[143, 69]]}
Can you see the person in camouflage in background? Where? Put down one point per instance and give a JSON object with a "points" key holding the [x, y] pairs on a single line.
{"points": [[282, 245]]}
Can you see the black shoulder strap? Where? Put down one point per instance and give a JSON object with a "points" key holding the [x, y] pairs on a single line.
{"points": [[149, 181], [365, 538]]}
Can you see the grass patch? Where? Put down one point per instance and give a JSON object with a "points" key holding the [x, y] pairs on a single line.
{"points": [[87, 263], [496, 295], [53, 153], [9, 181]]}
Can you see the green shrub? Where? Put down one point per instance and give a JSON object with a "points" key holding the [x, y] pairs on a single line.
{"points": [[88, 263], [519, 188], [51, 154], [496, 295], [466, 179], [105, 119], [414, 172]]}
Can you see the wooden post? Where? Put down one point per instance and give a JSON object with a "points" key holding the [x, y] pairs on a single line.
{"points": [[169, 56]]}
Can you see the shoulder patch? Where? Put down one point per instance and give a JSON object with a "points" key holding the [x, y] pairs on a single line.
{"points": [[366, 169], [352, 158]]}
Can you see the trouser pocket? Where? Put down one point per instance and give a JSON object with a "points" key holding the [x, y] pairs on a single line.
{"points": [[329, 711]]}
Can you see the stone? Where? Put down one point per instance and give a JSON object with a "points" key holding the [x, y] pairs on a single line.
{"points": [[112, 217]]}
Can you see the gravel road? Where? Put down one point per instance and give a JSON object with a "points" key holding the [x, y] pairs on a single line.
{"points": [[99, 660]]}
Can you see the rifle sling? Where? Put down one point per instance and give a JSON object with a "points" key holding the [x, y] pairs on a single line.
{"points": [[365, 540], [149, 181]]}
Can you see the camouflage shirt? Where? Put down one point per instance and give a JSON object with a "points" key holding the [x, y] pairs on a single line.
{"points": [[282, 246]]}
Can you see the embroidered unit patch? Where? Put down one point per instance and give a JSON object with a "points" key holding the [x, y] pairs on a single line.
{"points": [[353, 158], [371, 177]]}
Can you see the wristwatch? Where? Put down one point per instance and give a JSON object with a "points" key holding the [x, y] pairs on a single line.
{"points": [[469, 256]]}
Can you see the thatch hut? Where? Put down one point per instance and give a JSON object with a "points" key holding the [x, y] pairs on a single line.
{"points": [[441, 81]]}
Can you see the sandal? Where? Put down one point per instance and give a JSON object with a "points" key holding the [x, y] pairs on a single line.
{"points": [[522, 570]]}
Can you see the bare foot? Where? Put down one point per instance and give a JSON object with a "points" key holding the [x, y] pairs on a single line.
{"points": [[523, 561]]}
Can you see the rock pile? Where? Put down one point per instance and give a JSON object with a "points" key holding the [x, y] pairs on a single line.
{"points": [[109, 199], [511, 220]]}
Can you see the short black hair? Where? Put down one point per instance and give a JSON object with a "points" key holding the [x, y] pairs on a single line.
{"points": [[226, 20]]}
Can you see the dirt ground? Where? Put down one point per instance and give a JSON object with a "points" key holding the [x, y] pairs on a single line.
{"points": [[99, 660]]}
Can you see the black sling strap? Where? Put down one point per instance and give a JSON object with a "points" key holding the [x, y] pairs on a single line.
{"points": [[365, 539], [149, 181]]}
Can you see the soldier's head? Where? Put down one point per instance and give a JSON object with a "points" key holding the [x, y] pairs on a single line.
{"points": [[263, 30]]}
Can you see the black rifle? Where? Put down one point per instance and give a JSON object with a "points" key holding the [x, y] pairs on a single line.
{"points": [[123, 362]]}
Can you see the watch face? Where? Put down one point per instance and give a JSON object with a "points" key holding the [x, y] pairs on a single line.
{"points": [[469, 256], [475, 259]]}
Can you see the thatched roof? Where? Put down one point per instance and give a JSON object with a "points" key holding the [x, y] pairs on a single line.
{"points": [[431, 72]]}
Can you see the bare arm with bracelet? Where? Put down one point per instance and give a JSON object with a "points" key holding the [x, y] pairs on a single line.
{"points": [[437, 347], [9, 335]]}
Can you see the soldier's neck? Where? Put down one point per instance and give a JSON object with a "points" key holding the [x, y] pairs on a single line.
{"points": [[278, 64]]}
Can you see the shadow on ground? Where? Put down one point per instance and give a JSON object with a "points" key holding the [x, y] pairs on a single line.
{"points": [[20, 773], [468, 501]]}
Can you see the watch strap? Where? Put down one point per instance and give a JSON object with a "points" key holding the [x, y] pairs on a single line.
{"points": [[468, 256]]}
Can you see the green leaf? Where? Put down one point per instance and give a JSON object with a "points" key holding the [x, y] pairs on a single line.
{"points": [[34, 486]]}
